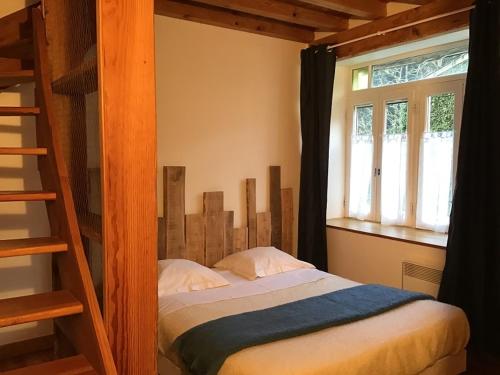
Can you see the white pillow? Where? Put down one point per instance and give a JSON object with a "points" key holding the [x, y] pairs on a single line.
{"points": [[260, 262], [181, 275]]}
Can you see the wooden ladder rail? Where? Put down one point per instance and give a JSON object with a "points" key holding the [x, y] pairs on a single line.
{"points": [[86, 331]]}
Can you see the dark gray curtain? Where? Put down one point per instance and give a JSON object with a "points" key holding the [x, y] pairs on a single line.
{"points": [[471, 277], [316, 90]]}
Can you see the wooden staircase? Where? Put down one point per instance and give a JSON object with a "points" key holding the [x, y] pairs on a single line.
{"points": [[73, 305]]}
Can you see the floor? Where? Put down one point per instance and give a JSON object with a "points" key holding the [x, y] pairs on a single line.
{"points": [[477, 364], [482, 365]]}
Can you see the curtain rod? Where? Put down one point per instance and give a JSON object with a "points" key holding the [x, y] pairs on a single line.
{"points": [[378, 33]]}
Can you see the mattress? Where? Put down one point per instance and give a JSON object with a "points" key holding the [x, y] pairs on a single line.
{"points": [[406, 340]]}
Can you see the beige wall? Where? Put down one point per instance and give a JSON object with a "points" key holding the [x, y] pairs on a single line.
{"points": [[228, 107], [30, 274], [370, 259]]}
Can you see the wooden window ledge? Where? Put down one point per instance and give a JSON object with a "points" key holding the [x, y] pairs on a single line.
{"points": [[404, 234]]}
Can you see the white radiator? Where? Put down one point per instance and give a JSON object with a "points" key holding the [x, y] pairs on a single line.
{"points": [[420, 278]]}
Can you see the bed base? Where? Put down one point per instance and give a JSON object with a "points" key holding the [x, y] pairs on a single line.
{"points": [[449, 365]]}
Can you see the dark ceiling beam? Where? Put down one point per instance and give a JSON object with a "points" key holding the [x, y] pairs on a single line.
{"points": [[188, 10], [286, 12], [366, 9]]}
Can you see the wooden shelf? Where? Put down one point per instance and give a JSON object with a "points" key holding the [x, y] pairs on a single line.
{"points": [[19, 49], [77, 365], [8, 79], [19, 111], [404, 234], [31, 246], [79, 81], [36, 307], [25, 196], [23, 151]]}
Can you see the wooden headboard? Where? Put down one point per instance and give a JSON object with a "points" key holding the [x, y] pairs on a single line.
{"points": [[209, 236]]}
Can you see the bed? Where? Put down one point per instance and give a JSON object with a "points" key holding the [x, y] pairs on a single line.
{"points": [[419, 337], [423, 337]]}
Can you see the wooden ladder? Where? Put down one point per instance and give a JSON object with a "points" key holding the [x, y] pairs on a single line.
{"points": [[73, 305]]}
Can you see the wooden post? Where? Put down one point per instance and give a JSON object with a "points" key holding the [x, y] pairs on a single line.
{"points": [[125, 46]]}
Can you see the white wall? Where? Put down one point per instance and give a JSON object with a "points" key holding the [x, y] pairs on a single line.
{"points": [[29, 274], [227, 109]]}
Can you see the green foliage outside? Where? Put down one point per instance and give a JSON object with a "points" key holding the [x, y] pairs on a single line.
{"points": [[396, 118], [364, 120], [442, 113], [442, 116]]}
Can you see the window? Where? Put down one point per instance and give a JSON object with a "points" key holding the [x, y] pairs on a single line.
{"points": [[360, 78], [443, 63], [394, 163], [436, 169], [402, 146], [360, 199]]}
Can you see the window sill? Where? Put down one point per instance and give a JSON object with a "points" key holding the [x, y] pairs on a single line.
{"points": [[404, 234]]}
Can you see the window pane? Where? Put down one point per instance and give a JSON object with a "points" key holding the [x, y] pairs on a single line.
{"points": [[436, 164], [360, 188], [396, 117], [360, 78], [437, 64], [394, 164], [442, 112], [363, 117]]}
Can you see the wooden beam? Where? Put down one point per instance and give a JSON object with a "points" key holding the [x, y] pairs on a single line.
{"points": [[287, 220], [414, 2], [191, 11], [125, 44], [397, 20], [275, 204], [213, 206], [286, 12], [174, 181], [366, 9], [409, 34], [251, 184]]}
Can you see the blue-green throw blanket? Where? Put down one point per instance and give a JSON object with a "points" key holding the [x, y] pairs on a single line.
{"points": [[204, 348]]}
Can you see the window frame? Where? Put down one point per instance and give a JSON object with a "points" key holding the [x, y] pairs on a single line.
{"points": [[416, 92]]}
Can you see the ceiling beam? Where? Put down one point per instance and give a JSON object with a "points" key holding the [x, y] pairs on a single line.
{"points": [[285, 12], [367, 9], [412, 33], [187, 10], [421, 13]]}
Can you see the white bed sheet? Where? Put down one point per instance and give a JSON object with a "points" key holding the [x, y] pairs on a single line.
{"points": [[401, 341], [241, 287]]}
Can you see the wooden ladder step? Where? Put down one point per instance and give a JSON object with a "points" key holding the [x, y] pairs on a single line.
{"points": [[19, 49], [36, 307], [22, 151], [77, 365], [19, 111], [31, 246], [26, 196], [8, 79]]}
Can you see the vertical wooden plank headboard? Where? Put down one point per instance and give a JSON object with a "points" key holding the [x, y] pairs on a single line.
{"points": [[174, 180], [209, 236]]}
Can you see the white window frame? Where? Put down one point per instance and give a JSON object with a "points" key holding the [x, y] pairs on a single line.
{"points": [[417, 93]]}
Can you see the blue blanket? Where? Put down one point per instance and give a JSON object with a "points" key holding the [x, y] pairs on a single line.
{"points": [[204, 348]]}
